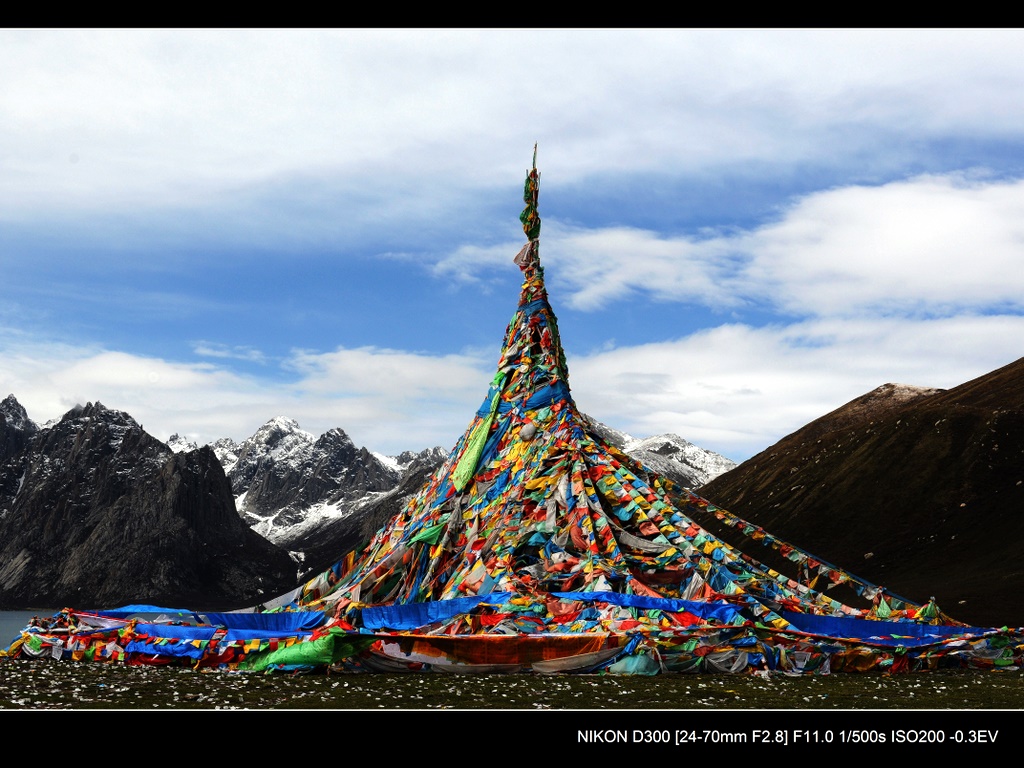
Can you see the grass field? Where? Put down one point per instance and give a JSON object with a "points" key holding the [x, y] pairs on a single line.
{"points": [[65, 685]]}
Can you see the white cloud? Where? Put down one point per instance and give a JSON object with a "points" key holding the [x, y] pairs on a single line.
{"points": [[934, 244], [734, 389], [349, 127], [931, 245], [142, 118], [737, 389], [385, 399], [603, 266], [400, 400], [467, 261], [165, 397]]}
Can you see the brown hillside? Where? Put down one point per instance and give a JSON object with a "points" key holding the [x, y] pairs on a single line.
{"points": [[918, 490]]}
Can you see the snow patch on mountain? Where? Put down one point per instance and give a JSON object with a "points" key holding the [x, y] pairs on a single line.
{"points": [[670, 453], [180, 444], [388, 461], [226, 451], [287, 482]]}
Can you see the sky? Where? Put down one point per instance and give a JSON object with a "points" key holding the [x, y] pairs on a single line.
{"points": [[742, 229]]}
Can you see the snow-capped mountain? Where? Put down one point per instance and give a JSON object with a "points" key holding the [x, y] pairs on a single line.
{"points": [[672, 456], [287, 482], [16, 428], [226, 451], [324, 546], [434, 455], [180, 444], [668, 455]]}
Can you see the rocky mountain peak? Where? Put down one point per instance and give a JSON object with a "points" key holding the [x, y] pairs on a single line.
{"points": [[432, 456], [335, 436], [100, 412], [180, 444], [285, 480], [226, 451], [663, 445], [14, 415], [343, 532], [279, 441], [16, 428], [679, 459], [278, 431], [405, 457]]}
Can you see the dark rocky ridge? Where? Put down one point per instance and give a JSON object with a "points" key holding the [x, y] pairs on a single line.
{"points": [[16, 428], [918, 490], [95, 512]]}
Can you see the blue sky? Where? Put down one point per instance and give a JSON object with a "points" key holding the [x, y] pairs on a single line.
{"points": [[743, 230]]}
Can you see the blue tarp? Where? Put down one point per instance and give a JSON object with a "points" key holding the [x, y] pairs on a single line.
{"points": [[723, 612], [180, 649], [262, 634], [879, 632], [544, 396], [415, 615], [176, 631], [181, 640], [286, 622]]}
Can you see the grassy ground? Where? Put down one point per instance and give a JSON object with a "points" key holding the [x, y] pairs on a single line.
{"points": [[65, 685]]}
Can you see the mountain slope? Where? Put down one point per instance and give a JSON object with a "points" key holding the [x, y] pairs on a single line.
{"points": [[96, 511], [919, 490]]}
